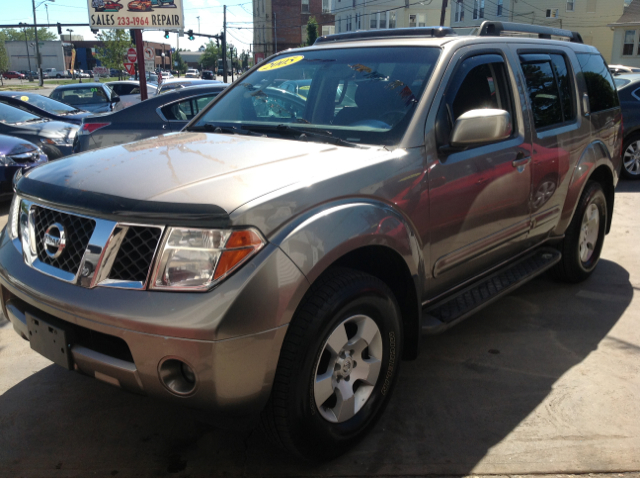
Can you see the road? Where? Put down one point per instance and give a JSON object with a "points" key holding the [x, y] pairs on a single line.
{"points": [[545, 381]]}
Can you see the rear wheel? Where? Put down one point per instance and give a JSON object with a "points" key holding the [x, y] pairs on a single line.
{"points": [[584, 238], [337, 367], [631, 157]]}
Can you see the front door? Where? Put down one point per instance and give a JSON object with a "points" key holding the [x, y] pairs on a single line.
{"points": [[479, 204]]}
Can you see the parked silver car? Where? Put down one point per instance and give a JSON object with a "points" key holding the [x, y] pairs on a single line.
{"points": [[284, 252]]}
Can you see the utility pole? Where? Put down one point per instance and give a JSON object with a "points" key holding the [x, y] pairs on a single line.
{"points": [[140, 53], [224, 46], [442, 12], [35, 29], [46, 7], [198, 17], [26, 44]]}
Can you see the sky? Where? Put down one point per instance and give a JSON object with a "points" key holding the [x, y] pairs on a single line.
{"points": [[239, 18]]}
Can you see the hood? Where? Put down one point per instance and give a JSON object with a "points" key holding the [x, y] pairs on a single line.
{"points": [[95, 107], [195, 168], [11, 145]]}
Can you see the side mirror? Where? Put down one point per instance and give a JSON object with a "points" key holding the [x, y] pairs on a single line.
{"points": [[481, 126], [116, 99]]}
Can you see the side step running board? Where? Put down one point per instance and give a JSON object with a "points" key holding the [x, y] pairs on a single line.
{"points": [[444, 314]]}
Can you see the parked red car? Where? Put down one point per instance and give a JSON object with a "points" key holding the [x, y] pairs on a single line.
{"points": [[9, 75]]}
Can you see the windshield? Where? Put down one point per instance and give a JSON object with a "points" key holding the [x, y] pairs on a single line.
{"points": [[80, 96], [14, 116], [361, 95], [47, 104], [620, 82]]}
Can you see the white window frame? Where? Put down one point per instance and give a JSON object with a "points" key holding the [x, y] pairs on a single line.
{"points": [[500, 9], [459, 14], [326, 6], [481, 8], [303, 4], [475, 9], [573, 5], [624, 43]]}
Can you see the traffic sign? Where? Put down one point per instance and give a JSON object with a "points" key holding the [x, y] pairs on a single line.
{"points": [[131, 55], [130, 68], [148, 53]]}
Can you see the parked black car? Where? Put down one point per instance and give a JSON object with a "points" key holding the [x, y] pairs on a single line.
{"points": [[16, 154], [93, 97], [162, 114], [55, 138], [43, 106], [629, 93], [208, 75]]}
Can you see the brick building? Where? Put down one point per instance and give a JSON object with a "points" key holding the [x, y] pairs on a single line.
{"points": [[282, 24]]}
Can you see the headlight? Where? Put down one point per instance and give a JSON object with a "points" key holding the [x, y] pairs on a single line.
{"points": [[14, 213], [58, 141], [196, 259]]}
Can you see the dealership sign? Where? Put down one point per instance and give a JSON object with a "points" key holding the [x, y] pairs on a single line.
{"points": [[146, 14]]}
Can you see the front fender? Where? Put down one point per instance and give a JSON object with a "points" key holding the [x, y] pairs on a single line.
{"points": [[324, 234], [593, 157]]}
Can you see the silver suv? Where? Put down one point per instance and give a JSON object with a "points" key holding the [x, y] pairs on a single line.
{"points": [[284, 252]]}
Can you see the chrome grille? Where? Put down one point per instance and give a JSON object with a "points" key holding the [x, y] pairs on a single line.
{"points": [[24, 158], [78, 230], [135, 255]]}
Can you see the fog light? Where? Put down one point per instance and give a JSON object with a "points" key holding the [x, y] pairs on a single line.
{"points": [[177, 376]]}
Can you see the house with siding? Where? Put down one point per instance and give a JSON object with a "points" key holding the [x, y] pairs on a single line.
{"points": [[626, 36], [590, 18]]}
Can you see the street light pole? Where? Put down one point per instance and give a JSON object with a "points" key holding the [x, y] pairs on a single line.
{"points": [[70, 65], [26, 44], [198, 24], [38, 62]]}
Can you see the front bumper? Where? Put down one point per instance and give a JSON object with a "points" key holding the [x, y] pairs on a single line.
{"points": [[231, 336]]}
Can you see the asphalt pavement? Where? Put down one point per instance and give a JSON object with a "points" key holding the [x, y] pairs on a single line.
{"points": [[545, 381]]}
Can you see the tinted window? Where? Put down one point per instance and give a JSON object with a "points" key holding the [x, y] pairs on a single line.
{"points": [[564, 77], [124, 89], [80, 96], [600, 86], [543, 94]]}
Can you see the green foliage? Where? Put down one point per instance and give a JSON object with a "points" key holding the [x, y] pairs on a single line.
{"points": [[15, 34], [182, 66], [209, 58], [4, 60], [312, 30], [115, 44]]}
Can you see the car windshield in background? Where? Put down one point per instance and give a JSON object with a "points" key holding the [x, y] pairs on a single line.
{"points": [[80, 96], [361, 95], [620, 82], [47, 104], [14, 116]]}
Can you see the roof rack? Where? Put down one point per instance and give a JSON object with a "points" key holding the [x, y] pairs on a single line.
{"points": [[436, 32], [494, 29]]}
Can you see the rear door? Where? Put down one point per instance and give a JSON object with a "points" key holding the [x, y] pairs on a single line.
{"points": [[479, 197]]}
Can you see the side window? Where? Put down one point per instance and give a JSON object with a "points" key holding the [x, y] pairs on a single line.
{"points": [[543, 93], [203, 101], [600, 86], [479, 82], [563, 74], [185, 110]]}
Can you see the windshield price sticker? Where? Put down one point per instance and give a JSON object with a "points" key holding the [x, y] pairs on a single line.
{"points": [[283, 62], [24, 98], [147, 14]]}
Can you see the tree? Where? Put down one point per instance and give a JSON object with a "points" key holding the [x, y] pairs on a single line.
{"points": [[115, 44], [312, 30], [209, 58], [182, 66], [15, 34], [4, 60]]}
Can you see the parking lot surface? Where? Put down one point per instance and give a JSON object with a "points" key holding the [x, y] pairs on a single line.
{"points": [[544, 381]]}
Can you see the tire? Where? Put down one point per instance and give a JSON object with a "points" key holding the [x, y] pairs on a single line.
{"points": [[310, 412], [584, 238], [631, 157]]}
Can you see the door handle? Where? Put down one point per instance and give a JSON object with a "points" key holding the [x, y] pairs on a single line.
{"points": [[520, 162]]}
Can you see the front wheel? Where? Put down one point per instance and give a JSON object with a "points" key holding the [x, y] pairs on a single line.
{"points": [[631, 157], [337, 367], [584, 238]]}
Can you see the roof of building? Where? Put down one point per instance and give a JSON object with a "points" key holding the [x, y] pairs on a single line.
{"points": [[631, 14]]}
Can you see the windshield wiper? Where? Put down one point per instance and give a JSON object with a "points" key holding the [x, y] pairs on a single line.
{"points": [[33, 120], [305, 134], [233, 130]]}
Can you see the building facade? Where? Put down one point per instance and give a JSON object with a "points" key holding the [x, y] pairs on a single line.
{"points": [[22, 55], [282, 24], [590, 18], [352, 15], [626, 37]]}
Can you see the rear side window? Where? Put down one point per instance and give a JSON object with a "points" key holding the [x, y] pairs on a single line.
{"points": [[185, 110], [600, 86], [564, 78]]}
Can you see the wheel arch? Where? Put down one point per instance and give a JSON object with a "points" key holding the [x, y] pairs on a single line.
{"points": [[368, 236], [595, 164]]}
